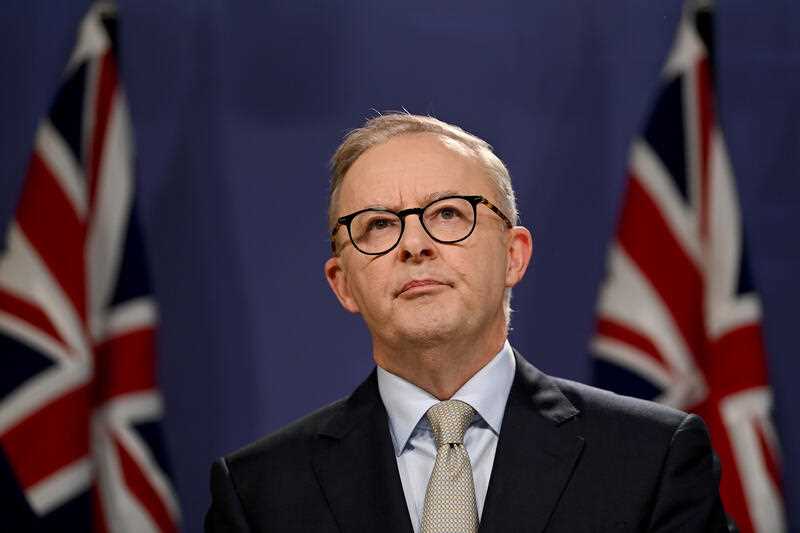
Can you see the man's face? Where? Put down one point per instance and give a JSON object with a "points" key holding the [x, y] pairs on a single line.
{"points": [[423, 291]]}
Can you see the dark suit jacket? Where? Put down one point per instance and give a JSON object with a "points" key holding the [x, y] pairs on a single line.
{"points": [[570, 458]]}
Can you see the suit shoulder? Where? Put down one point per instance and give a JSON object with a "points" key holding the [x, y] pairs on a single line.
{"points": [[287, 440], [607, 407]]}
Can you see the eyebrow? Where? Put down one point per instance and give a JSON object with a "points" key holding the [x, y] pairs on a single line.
{"points": [[427, 199], [438, 195]]}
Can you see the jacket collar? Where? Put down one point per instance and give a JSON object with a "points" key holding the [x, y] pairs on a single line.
{"points": [[539, 446], [356, 467], [538, 449]]}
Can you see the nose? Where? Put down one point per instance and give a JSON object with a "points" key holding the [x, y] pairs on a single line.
{"points": [[415, 244]]}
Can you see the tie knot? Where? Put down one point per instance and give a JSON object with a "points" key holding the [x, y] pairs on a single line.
{"points": [[449, 420]]}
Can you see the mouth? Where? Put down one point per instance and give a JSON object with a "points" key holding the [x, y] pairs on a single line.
{"points": [[421, 285]]}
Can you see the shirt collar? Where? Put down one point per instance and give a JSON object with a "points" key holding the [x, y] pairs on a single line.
{"points": [[486, 391]]}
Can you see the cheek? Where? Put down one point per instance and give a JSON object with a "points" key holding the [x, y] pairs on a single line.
{"points": [[368, 287], [489, 274], [481, 279]]}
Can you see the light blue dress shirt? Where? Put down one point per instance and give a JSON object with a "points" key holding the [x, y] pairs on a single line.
{"points": [[414, 445]]}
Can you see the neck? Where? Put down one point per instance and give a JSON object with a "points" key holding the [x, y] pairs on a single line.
{"points": [[441, 367]]}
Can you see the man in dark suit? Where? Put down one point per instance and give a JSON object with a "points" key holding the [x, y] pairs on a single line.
{"points": [[455, 431]]}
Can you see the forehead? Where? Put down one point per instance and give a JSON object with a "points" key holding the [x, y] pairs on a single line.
{"points": [[407, 169]]}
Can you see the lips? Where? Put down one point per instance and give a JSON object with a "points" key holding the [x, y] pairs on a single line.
{"points": [[414, 283]]}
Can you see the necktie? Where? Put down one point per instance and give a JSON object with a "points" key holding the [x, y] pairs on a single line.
{"points": [[450, 499]]}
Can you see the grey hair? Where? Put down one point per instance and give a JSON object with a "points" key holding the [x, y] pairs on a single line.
{"points": [[380, 129]]}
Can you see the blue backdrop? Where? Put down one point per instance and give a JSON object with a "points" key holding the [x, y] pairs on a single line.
{"points": [[238, 105]]}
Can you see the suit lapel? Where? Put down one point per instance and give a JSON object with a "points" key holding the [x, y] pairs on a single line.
{"points": [[356, 467], [538, 449]]}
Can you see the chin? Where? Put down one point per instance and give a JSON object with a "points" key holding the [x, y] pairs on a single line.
{"points": [[430, 320], [431, 328]]}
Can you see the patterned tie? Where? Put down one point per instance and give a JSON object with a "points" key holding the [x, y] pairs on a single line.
{"points": [[450, 499]]}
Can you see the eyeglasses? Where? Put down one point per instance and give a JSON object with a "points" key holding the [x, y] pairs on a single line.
{"points": [[376, 231]]}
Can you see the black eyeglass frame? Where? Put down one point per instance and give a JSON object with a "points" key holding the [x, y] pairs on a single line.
{"points": [[474, 200]]}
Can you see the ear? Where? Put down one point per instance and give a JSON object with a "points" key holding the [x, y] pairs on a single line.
{"points": [[337, 279], [520, 251]]}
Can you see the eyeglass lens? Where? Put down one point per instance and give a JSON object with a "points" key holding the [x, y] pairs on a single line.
{"points": [[447, 220]]}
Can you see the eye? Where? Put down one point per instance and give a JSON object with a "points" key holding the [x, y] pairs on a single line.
{"points": [[379, 223], [447, 212]]}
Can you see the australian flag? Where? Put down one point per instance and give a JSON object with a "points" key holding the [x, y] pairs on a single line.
{"points": [[80, 441], [678, 316]]}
